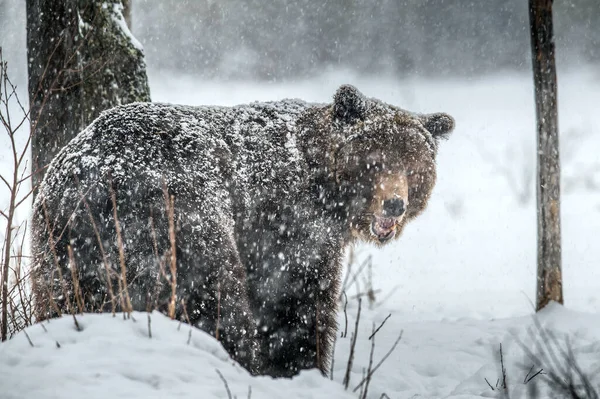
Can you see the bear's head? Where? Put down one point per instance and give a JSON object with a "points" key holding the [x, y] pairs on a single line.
{"points": [[376, 161]]}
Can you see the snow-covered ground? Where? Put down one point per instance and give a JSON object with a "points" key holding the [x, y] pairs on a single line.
{"points": [[458, 283], [117, 358]]}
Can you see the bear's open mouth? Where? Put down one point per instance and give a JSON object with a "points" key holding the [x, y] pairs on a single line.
{"points": [[383, 228]]}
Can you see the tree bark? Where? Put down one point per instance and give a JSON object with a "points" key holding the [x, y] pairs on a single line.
{"points": [[54, 95], [82, 60], [127, 12], [549, 274]]}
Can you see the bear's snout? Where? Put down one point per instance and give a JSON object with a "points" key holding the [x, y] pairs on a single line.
{"points": [[393, 208]]}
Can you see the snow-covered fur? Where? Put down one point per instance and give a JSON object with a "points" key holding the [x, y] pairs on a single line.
{"points": [[266, 198]]}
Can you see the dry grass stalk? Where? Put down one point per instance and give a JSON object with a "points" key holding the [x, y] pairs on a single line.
{"points": [[187, 318], [170, 203], [317, 334], [360, 394], [218, 310], [153, 298], [107, 266], [28, 339], [149, 326], [125, 299], [75, 278], [55, 259], [225, 383]]}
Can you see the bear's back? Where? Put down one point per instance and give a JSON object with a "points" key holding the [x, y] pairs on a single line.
{"points": [[201, 148]]}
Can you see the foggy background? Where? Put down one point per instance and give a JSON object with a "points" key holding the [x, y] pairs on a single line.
{"points": [[275, 40]]}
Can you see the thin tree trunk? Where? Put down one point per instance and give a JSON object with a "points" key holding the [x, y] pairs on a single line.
{"points": [[549, 275]]}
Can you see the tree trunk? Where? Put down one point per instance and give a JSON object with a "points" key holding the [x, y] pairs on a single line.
{"points": [[82, 60], [54, 93], [549, 275], [127, 12]]}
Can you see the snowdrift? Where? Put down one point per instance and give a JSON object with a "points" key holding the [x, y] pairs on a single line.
{"points": [[115, 358]]}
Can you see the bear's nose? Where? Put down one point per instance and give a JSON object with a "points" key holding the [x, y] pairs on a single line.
{"points": [[393, 208]]}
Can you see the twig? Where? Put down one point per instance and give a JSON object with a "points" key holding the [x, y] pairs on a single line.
{"points": [[352, 346], [318, 343], [349, 271], [379, 328], [364, 264], [490, 385], [345, 333], [370, 294], [28, 339], [362, 389], [503, 369], [185, 313], [332, 357], [149, 326], [224, 382], [77, 326], [382, 360], [218, 310], [249, 391], [364, 395], [528, 378]]}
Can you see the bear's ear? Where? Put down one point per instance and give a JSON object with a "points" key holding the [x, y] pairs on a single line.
{"points": [[440, 125], [349, 104]]}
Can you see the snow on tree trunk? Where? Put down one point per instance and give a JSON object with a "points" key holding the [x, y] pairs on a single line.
{"points": [[82, 60], [549, 275], [127, 12]]}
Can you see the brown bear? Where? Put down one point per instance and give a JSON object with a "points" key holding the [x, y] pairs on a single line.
{"points": [[234, 217]]}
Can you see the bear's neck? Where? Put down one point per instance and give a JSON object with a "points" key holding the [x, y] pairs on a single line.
{"points": [[331, 203]]}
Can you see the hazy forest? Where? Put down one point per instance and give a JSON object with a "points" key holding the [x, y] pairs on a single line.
{"points": [[274, 40]]}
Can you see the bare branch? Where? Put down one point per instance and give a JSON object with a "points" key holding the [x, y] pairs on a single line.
{"points": [[379, 328], [352, 346], [369, 373], [381, 361]]}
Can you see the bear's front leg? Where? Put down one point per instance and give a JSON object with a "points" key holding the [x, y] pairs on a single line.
{"points": [[293, 290]]}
